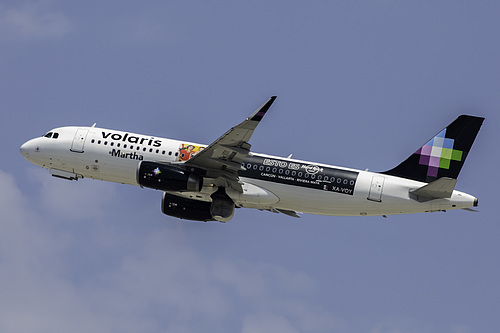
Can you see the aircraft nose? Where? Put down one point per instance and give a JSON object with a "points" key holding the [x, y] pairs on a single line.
{"points": [[29, 148]]}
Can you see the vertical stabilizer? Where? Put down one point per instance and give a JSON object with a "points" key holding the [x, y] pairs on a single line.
{"points": [[444, 155]]}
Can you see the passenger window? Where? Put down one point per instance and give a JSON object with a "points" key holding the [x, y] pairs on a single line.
{"points": [[111, 143], [92, 141], [144, 149], [169, 153]]}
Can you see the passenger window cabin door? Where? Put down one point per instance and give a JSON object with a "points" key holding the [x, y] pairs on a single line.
{"points": [[79, 140], [376, 188]]}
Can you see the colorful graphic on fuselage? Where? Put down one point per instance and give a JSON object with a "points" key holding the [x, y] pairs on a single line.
{"points": [[438, 153], [186, 151], [299, 174]]}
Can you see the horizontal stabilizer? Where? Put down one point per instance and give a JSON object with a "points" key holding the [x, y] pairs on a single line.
{"points": [[438, 189]]}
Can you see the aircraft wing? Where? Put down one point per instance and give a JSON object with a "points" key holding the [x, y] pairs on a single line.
{"points": [[222, 159]]}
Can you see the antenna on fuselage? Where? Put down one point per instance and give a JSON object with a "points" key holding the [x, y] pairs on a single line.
{"points": [[93, 125]]}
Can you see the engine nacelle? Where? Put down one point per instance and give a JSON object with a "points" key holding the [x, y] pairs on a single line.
{"points": [[220, 209], [167, 177], [184, 208]]}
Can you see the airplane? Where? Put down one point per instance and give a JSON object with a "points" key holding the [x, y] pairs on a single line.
{"points": [[207, 182]]}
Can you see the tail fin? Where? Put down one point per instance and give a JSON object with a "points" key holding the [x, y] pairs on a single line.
{"points": [[444, 155]]}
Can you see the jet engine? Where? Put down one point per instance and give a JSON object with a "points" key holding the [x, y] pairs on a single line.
{"points": [[166, 177], [184, 208], [220, 209]]}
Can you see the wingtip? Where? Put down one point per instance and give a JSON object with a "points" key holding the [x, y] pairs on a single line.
{"points": [[259, 114]]}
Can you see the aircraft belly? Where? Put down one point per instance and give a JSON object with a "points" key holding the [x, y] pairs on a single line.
{"points": [[311, 201]]}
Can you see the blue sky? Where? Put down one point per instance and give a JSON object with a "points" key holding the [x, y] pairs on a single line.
{"points": [[359, 83]]}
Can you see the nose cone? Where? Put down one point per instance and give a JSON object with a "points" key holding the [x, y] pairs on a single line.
{"points": [[28, 149]]}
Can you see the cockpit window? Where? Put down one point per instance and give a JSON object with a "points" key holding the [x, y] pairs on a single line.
{"points": [[53, 135]]}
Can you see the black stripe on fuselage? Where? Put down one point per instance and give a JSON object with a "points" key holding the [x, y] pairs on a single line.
{"points": [[299, 174]]}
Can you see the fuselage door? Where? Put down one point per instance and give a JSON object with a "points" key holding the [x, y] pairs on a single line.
{"points": [[79, 140], [376, 188]]}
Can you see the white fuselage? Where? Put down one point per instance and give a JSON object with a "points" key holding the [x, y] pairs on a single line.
{"points": [[275, 183]]}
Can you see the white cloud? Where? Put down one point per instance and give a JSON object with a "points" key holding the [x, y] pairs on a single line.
{"points": [[50, 282], [146, 28], [264, 323], [460, 329], [65, 199], [34, 296], [168, 277], [400, 324], [53, 278], [33, 20], [161, 285]]}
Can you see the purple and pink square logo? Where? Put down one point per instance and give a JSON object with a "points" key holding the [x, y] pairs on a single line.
{"points": [[438, 153]]}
